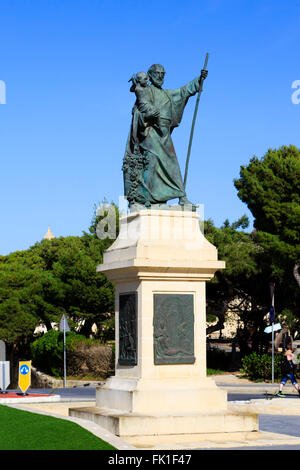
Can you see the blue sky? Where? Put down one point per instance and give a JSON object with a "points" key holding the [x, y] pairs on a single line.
{"points": [[66, 66]]}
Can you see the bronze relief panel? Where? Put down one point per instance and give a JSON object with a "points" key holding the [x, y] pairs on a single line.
{"points": [[173, 323], [128, 329]]}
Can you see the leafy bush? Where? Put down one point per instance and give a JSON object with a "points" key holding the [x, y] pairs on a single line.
{"points": [[93, 359], [259, 366], [47, 351], [84, 356]]}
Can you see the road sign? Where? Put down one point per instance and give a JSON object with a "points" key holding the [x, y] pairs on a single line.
{"points": [[64, 324], [24, 375], [4, 375], [276, 327]]}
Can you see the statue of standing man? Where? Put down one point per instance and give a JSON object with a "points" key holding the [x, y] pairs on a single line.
{"points": [[151, 170]]}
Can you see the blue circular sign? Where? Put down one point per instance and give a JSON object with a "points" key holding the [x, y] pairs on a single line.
{"points": [[24, 369]]}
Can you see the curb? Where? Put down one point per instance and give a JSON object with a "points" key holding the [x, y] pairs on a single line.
{"points": [[31, 399], [248, 389]]}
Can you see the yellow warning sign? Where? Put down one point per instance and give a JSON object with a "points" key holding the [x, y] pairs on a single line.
{"points": [[24, 375]]}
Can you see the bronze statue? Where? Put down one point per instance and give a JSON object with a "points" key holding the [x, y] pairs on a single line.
{"points": [[151, 170]]}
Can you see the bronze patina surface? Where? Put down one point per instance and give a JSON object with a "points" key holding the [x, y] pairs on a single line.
{"points": [[128, 329], [151, 170], [173, 323]]}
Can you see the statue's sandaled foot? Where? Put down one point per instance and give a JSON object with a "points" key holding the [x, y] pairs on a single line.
{"points": [[183, 201]]}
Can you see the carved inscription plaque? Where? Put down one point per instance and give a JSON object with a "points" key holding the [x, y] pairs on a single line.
{"points": [[128, 329], [173, 323]]}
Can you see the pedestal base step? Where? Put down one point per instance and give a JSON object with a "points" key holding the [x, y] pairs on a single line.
{"points": [[190, 427]]}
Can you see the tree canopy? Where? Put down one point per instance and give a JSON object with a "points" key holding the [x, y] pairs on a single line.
{"points": [[52, 278], [270, 186], [241, 287]]}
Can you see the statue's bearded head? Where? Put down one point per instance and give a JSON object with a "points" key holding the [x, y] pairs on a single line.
{"points": [[157, 74]]}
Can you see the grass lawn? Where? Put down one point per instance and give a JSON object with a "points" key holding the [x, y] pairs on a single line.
{"points": [[23, 430]]}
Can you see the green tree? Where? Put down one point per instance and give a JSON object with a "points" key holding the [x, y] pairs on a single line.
{"points": [[77, 290], [270, 186], [18, 308], [240, 287], [52, 278]]}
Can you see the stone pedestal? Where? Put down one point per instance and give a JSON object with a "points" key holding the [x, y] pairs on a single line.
{"points": [[159, 264]]}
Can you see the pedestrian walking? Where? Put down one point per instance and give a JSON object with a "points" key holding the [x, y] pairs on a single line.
{"points": [[288, 372]]}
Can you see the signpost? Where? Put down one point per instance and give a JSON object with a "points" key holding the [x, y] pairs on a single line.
{"points": [[4, 376], [2, 351], [64, 327], [4, 368], [272, 318], [24, 376]]}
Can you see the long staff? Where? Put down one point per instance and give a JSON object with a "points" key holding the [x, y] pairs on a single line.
{"points": [[193, 125]]}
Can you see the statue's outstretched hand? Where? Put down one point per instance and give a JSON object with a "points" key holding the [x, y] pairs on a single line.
{"points": [[203, 74]]}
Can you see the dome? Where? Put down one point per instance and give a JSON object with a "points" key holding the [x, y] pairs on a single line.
{"points": [[49, 235]]}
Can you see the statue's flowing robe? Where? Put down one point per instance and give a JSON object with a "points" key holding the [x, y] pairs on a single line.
{"points": [[151, 170]]}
